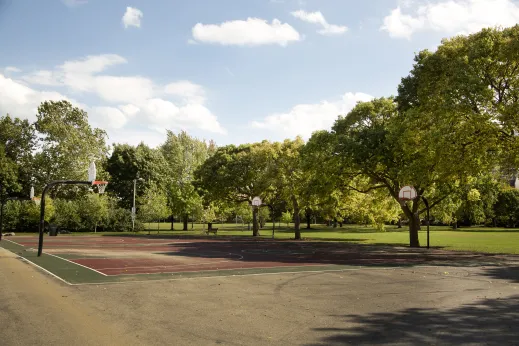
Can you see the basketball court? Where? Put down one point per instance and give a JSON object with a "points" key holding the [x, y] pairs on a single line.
{"points": [[103, 259]]}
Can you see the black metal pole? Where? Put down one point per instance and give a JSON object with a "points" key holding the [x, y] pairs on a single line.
{"points": [[42, 205], [428, 219]]}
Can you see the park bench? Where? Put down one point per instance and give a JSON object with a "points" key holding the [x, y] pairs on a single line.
{"points": [[212, 230]]}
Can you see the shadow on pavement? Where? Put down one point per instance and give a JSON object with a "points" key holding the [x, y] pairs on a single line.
{"points": [[504, 273], [488, 322], [327, 253]]}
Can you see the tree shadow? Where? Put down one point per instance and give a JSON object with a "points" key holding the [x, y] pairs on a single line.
{"points": [[487, 322], [326, 253], [508, 273]]}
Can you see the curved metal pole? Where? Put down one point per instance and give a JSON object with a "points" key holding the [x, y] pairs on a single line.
{"points": [[42, 205]]}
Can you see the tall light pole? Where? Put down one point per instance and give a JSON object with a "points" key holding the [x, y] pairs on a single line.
{"points": [[133, 208]]}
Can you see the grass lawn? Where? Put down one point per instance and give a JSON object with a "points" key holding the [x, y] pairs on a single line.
{"points": [[482, 239]]}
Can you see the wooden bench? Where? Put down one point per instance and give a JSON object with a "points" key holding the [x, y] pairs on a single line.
{"points": [[212, 230]]}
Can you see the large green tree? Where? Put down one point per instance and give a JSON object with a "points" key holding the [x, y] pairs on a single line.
{"points": [[17, 145], [236, 174], [128, 163], [183, 155], [67, 145]]}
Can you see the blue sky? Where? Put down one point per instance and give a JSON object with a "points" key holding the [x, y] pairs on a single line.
{"points": [[231, 70]]}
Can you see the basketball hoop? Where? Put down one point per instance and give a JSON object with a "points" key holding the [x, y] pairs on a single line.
{"points": [[256, 202], [101, 185], [407, 193]]}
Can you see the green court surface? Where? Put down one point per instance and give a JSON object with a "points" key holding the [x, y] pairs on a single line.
{"points": [[61, 266]]}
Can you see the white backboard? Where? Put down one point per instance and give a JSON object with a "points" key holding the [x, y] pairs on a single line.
{"points": [[256, 201], [407, 193], [92, 171]]}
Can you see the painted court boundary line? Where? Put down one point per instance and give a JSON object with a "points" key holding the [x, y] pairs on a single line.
{"points": [[64, 259]]}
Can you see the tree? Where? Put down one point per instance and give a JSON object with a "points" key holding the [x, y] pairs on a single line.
{"points": [[238, 174], [183, 155], [17, 142], [128, 163], [67, 214], [507, 208], [291, 179], [67, 145], [472, 82], [153, 205], [287, 217], [93, 210], [377, 147]]}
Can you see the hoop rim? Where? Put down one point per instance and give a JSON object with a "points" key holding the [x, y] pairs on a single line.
{"points": [[99, 182]]}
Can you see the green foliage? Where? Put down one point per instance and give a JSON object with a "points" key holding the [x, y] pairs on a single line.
{"points": [[238, 174], [287, 217], [17, 143], [507, 208], [67, 214], [153, 205], [183, 155], [93, 210], [67, 145], [128, 163]]}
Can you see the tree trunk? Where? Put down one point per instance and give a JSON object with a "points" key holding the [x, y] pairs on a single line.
{"points": [[172, 223], [209, 226], [334, 223], [308, 219], [255, 226], [297, 221], [414, 227], [186, 216], [399, 222]]}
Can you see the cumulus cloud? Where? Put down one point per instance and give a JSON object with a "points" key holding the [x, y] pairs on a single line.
{"points": [[122, 101], [132, 17], [250, 32], [318, 18], [449, 16], [304, 119]]}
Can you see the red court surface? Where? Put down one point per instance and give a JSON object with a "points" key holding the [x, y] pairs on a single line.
{"points": [[127, 255]]}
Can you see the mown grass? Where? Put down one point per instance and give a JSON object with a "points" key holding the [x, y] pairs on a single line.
{"points": [[479, 239]]}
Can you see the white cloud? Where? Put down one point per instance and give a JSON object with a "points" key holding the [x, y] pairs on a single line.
{"points": [[132, 17], [122, 101], [318, 18], [250, 32], [450, 16], [188, 91], [22, 101], [304, 119], [12, 69], [107, 117]]}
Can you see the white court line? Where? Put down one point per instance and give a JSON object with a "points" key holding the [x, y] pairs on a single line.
{"points": [[34, 264], [63, 259], [75, 263]]}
